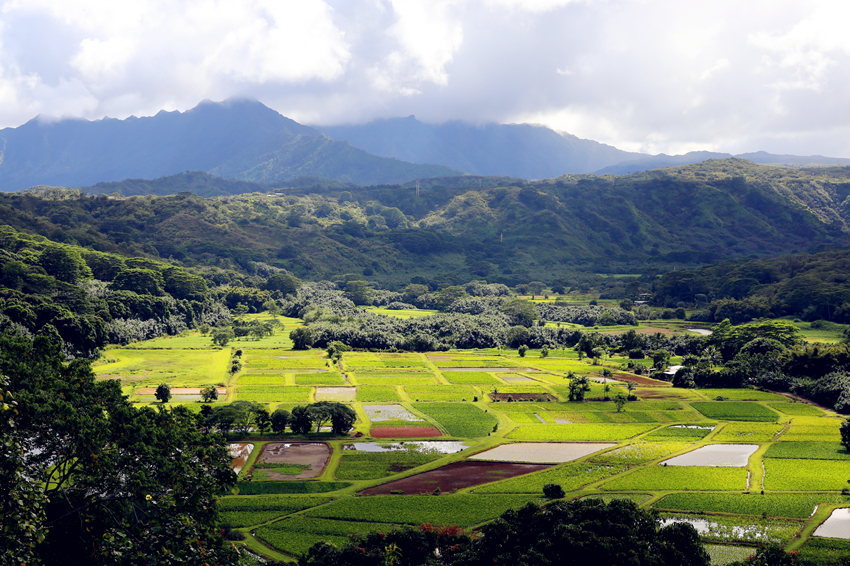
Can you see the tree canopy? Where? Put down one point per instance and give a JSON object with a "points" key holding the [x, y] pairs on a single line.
{"points": [[122, 486]]}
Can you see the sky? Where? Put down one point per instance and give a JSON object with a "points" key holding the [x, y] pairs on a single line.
{"points": [[654, 76]]}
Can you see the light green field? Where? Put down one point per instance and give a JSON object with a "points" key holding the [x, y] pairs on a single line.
{"points": [[409, 313], [177, 368]]}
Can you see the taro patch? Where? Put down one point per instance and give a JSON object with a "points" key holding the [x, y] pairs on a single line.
{"points": [[297, 460]]}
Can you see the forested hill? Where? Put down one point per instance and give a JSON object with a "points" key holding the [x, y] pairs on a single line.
{"points": [[240, 139], [511, 233]]}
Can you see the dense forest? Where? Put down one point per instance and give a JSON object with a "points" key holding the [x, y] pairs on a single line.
{"points": [[810, 286]]}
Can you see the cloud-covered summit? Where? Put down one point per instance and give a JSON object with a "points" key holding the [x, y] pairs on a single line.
{"points": [[642, 75]]}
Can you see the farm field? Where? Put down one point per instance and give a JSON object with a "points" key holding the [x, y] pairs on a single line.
{"points": [[295, 490]]}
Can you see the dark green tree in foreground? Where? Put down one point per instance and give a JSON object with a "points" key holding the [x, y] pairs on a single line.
{"points": [[163, 393], [567, 533], [845, 434], [122, 486]]}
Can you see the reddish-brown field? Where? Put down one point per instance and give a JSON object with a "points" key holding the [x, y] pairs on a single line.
{"points": [[404, 432], [640, 380], [455, 476], [658, 393]]}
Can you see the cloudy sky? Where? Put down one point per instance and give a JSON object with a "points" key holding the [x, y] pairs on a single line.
{"points": [[644, 75]]}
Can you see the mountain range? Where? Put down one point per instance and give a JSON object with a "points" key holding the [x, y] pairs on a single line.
{"points": [[259, 149]]}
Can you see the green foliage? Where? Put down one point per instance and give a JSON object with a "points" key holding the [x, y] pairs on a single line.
{"points": [[163, 393], [279, 420], [553, 491], [302, 338], [95, 491], [209, 393]]}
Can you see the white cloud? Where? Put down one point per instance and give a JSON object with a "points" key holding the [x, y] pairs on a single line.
{"points": [[657, 75]]}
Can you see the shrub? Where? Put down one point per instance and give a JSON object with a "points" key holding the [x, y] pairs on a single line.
{"points": [[163, 393], [522, 350], [553, 491]]}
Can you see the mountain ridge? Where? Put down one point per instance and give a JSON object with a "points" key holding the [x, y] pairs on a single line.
{"points": [[239, 138]]}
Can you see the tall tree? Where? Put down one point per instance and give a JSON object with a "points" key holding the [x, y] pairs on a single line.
{"points": [[125, 486]]}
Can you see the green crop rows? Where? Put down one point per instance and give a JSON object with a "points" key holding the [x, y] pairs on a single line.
{"points": [[743, 529], [600, 432], [642, 452], [296, 535], [808, 451], [680, 478], [797, 475], [289, 487], [459, 419], [462, 510], [680, 432], [245, 511], [470, 378], [797, 506], [275, 394], [447, 393], [735, 411], [377, 394], [569, 476], [356, 465], [748, 432]]}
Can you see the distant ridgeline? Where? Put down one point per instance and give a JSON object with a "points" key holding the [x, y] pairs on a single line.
{"points": [[459, 228]]}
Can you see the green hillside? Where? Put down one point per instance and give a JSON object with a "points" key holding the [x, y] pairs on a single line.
{"points": [[513, 232]]}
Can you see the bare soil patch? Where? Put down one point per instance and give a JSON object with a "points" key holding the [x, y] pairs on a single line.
{"points": [[335, 393], [313, 454], [240, 451], [542, 397], [455, 476], [405, 432]]}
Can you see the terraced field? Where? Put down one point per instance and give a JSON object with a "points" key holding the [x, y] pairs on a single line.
{"points": [[426, 420]]}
